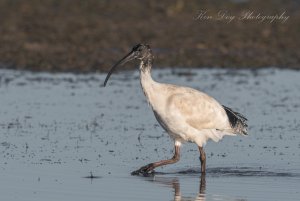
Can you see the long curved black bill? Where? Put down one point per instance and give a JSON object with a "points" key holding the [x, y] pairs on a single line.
{"points": [[125, 59]]}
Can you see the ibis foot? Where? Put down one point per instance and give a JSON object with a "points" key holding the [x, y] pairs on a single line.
{"points": [[145, 170], [149, 169]]}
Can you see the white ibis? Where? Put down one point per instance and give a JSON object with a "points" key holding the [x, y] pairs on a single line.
{"points": [[188, 115]]}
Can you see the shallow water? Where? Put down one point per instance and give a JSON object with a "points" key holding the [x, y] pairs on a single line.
{"points": [[64, 137]]}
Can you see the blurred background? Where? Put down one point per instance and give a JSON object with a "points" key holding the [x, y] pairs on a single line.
{"points": [[90, 35], [65, 137]]}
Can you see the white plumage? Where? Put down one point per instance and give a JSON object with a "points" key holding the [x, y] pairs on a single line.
{"points": [[185, 113]]}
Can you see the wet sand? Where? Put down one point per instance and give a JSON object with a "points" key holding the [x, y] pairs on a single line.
{"points": [[86, 36], [64, 137]]}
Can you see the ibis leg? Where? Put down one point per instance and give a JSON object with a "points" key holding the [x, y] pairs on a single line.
{"points": [[202, 160], [202, 185], [148, 168]]}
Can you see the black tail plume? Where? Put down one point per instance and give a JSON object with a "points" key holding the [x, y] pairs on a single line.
{"points": [[237, 121]]}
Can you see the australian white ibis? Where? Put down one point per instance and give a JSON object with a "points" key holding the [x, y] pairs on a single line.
{"points": [[188, 115]]}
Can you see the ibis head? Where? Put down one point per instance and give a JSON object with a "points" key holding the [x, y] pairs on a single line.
{"points": [[139, 52]]}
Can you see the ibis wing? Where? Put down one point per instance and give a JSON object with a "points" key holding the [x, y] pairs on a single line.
{"points": [[237, 121], [199, 110]]}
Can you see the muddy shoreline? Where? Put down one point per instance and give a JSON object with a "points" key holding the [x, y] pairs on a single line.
{"points": [[89, 36]]}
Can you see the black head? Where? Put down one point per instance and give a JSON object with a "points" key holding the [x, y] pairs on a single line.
{"points": [[141, 52]]}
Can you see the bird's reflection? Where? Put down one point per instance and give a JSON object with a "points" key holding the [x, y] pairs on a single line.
{"points": [[175, 184]]}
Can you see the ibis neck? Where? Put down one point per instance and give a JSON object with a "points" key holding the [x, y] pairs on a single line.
{"points": [[145, 69], [146, 64], [147, 82]]}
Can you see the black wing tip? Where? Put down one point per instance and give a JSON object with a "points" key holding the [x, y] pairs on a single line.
{"points": [[245, 130], [237, 120]]}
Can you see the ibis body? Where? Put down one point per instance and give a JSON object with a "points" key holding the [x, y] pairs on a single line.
{"points": [[188, 115]]}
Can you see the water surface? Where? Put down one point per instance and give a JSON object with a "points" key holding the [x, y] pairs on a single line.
{"points": [[59, 129]]}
